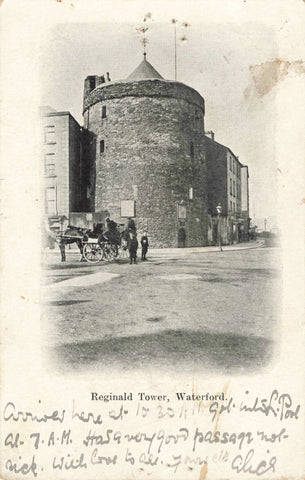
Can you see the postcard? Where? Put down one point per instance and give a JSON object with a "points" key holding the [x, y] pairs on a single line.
{"points": [[152, 239]]}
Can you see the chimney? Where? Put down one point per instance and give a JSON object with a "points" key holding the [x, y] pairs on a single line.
{"points": [[211, 133]]}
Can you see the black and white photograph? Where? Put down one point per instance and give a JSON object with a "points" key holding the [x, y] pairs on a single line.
{"points": [[152, 239], [168, 172]]}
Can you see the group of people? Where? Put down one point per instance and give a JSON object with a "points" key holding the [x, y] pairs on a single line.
{"points": [[129, 235], [133, 243]]}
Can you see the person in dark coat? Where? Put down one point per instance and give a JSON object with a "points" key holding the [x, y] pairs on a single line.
{"points": [[132, 247], [131, 225], [144, 243]]}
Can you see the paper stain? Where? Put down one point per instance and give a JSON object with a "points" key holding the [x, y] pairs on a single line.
{"points": [[23, 298], [303, 199], [202, 405], [279, 170], [266, 75], [203, 472]]}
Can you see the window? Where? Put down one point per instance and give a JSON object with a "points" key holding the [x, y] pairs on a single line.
{"points": [[102, 146], [233, 207], [230, 204], [104, 112], [191, 193], [135, 191], [231, 164], [92, 83], [181, 212], [192, 150], [50, 200], [49, 134], [49, 164], [234, 185], [230, 186]]}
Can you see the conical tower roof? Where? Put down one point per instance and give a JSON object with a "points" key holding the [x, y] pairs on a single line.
{"points": [[144, 71]]}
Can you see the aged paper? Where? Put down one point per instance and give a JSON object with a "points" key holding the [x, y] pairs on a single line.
{"points": [[116, 411]]}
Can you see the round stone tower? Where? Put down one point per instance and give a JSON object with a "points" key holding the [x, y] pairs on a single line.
{"points": [[146, 151]]}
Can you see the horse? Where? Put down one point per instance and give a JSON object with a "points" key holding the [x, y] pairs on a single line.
{"points": [[48, 239], [71, 235]]}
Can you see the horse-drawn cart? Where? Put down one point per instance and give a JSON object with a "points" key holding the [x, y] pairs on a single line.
{"points": [[94, 247]]}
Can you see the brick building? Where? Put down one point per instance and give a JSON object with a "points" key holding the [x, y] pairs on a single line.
{"points": [[245, 200], [62, 163], [227, 186], [147, 157]]}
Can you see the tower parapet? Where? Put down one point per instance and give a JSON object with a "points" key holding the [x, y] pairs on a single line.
{"points": [[142, 88], [93, 81]]}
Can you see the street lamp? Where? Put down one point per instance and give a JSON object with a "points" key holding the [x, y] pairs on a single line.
{"points": [[219, 210]]}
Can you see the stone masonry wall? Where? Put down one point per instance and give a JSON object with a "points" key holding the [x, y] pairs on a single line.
{"points": [[153, 153]]}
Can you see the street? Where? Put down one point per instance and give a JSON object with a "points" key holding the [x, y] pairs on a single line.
{"points": [[204, 310]]}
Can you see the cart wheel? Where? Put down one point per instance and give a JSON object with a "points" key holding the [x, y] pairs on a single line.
{"points": [[93, 253], [115, 251], [109, 253]]}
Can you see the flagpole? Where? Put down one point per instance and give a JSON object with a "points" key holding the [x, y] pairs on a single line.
{"points": [[175, 53]]}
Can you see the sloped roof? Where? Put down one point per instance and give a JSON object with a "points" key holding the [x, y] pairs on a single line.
{"points": [[144, 71]]}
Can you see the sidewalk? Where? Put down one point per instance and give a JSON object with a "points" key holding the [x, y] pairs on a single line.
{"points": [[181, 252], [177, 252]]}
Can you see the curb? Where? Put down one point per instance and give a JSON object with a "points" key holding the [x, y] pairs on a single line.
{"points": [[180, 251]]}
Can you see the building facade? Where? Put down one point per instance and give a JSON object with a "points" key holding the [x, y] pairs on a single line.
{"points": [[61, 163], [245, 209], [227, 186]]}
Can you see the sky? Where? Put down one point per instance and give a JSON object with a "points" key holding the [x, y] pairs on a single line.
{"points": [[217, 60]]}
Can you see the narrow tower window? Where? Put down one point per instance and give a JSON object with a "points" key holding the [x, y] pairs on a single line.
{"points": [[192, 150], [104, 111], [92, 83], [102, 146]]}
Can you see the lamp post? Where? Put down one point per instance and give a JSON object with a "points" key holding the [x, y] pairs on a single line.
{"points": [[219, 210]]}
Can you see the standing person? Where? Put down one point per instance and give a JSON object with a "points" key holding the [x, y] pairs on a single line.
{"points": [[131, 225], [144, 243], [132, 247]]}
